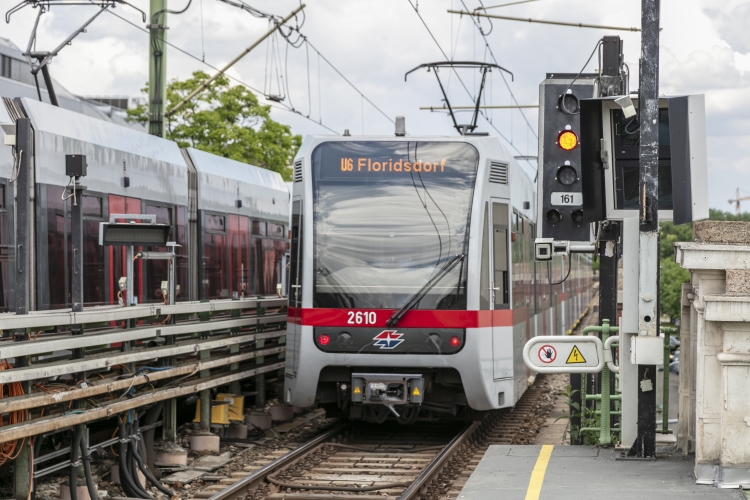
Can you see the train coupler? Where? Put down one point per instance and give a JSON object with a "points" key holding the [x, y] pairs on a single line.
{"points": [[387, 389]]}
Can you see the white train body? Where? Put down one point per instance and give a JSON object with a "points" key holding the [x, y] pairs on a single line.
{"points": [[374, 219]]}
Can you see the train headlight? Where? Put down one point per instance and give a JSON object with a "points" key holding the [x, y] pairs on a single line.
{"points": [[455, 341], [344, 339], [324, 339], [567, 140]]}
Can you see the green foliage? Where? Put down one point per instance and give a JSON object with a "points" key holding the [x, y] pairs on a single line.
{"points": [[574, 410], [226, 121], [595, 263], [672, 276]]}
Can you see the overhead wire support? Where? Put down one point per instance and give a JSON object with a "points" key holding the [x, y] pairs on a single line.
{"points": [[482, 66], [231, 63], [460, 80], [244, 84], [541, 21], [492, 54]]}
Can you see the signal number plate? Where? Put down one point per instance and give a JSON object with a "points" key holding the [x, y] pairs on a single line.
{"points": [[572, 199]]}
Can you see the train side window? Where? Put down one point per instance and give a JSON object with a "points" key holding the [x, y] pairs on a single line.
{"points": [[500, 254], [214, 222], [92, 206], [484, 277], [275, 230], [295, 271], [258, 228]]}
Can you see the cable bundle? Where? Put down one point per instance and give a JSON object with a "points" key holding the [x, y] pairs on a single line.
{"points": [[11, 449]]}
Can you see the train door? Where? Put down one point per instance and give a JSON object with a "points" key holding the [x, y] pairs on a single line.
{"points": [[502, 336], [294, 328]]}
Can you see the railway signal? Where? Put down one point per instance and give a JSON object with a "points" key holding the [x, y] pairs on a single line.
{"points": [[560, 202]]}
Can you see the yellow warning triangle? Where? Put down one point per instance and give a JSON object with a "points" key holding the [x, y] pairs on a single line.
{"points": [[575, 356], [357, 390], [416, 392]]}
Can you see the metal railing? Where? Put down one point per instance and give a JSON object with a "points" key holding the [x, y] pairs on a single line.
{"points": [[106, 370]]}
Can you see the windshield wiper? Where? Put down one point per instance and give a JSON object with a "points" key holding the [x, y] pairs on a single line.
{"points": [[414, 300]]}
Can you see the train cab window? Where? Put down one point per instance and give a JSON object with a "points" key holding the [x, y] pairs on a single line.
{"points": [[500, 254], [259, 228]]}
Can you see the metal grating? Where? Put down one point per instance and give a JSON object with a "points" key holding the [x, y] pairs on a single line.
{"points": [[498, 173], [298, 172], [14, 110]]}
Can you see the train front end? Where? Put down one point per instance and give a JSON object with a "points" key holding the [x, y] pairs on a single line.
{"points": [[395, 310]]}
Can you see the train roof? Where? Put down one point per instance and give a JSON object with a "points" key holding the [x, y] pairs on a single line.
{"points": [[262, 192], [154, 166]]}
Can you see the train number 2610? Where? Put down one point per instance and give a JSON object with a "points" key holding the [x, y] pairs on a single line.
{"points": [[362, 318]]}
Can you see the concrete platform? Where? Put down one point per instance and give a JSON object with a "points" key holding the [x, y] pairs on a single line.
{"points": [[577, 473]]}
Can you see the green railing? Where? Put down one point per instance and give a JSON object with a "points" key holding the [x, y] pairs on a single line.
{"points": [[603, 400]]}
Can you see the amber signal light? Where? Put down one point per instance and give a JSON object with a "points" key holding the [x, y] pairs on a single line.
{"points": [[567, 140]]}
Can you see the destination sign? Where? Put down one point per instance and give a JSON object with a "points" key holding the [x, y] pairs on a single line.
{"points": [[370, 165], [395, 162]]}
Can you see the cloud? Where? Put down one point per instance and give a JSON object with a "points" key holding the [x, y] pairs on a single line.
{"points": [[701, 71], [733, 26]]}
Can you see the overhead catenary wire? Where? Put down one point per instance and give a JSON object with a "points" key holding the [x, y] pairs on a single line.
{"points": [[231, 63], [307, 40], [492, 54], [244, 84], [462, 82]]}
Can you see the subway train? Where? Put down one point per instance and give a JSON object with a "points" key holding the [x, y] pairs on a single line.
{"points": [[413, 286], [229, 218]]}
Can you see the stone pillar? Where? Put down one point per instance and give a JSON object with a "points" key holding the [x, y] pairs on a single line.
{"points": [[686, 412], [715, 352]]}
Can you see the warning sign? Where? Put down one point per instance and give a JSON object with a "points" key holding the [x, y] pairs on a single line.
{"points": [[357, 390], [416, 392], [564, 354], [547, 354], [575, 356]]}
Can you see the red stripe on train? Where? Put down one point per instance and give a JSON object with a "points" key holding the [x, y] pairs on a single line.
{"points": [[418, 318]]}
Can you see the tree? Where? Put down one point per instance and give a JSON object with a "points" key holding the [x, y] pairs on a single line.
{"points": [[226, 121], [672, 275]]}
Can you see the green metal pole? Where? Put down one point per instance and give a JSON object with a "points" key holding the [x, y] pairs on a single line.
{"points": [[157, 70], [605, 437]]}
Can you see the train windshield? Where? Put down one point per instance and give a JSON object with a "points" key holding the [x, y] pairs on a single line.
{"points": [[387, 217]]}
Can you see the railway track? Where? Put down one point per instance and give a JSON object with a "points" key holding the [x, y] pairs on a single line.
{"points": [[393, 462]]}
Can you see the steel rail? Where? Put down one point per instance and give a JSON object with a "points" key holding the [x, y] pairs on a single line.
{"points": [[435, 467], [237, 489]]}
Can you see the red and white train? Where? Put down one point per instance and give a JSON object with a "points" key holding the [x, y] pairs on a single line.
{"points": [[413, 285]]}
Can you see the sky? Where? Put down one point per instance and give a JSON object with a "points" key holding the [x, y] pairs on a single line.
{"points": [[704, 48]]}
